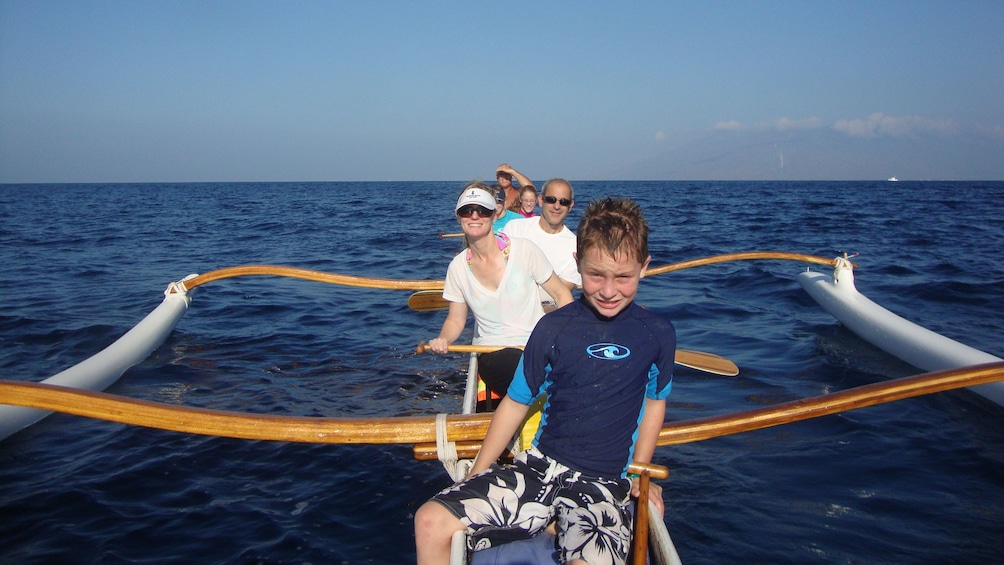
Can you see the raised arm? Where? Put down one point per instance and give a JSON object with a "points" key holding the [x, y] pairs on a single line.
{"points": [[523, 179]]}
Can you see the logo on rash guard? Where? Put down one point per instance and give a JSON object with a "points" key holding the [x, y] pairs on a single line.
{"points": [[608, 351]]}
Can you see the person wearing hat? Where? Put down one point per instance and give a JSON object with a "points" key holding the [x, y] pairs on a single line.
{"points": [[497, 279], [502, 214]]}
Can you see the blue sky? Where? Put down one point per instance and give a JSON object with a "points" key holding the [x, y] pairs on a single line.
{"points": [[136, 91]]}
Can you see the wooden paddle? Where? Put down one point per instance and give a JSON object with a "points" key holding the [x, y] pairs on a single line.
{"points": [[427, 301], [465, 429], [699, 360], [645, 471]]}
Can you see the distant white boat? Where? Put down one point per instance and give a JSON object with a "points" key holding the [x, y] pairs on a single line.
{"points": [[893, 179]]}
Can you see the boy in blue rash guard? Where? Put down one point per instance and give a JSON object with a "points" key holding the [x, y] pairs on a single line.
{"points": [[605, 365]]}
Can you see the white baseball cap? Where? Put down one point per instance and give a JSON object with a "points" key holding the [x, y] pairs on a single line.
{"points": [[478, 196]]}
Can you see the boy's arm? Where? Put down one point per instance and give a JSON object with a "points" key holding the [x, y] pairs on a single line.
{"points": [[648, 430], [505, 421], [644, 447]]}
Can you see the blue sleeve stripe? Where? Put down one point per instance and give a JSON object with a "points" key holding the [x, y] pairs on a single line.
{"points": [[543, 411], [519, 390], [651, 389]]}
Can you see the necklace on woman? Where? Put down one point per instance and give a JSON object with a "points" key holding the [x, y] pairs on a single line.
{"points": [[503, 242]]}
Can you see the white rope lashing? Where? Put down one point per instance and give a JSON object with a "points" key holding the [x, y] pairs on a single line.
{"points": [[446, 451]]}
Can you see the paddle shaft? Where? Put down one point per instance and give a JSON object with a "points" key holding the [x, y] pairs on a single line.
{"points": [[645, 472], [641, 521], [699, 360]]}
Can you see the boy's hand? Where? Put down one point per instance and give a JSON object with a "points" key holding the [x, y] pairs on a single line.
{"points": [[654, 494]]}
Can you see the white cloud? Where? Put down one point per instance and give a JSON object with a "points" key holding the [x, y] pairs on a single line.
{"points": [[781, 124], [880, 125], [660, 136], [731, 125], [785, 124], [996, 132]]}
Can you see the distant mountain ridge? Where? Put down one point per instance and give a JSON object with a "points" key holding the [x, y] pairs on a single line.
{"points": [[821, 154]]}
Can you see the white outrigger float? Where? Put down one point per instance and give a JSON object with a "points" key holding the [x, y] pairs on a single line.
{"points": [[77, 389], [100, 371], [897, 336]]}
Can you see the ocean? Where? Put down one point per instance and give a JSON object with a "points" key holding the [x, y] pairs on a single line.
{"points": [[914, 481]]}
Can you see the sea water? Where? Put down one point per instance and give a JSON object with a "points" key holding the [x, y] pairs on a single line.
{"points": [[915, 481]]}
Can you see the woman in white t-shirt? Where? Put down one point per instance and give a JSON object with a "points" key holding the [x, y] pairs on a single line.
{"points": [[497, 278]]}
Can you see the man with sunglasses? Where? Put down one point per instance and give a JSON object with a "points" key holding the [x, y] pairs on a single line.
{"points": [[549, 233]]}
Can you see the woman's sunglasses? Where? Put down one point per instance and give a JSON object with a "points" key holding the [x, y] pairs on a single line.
{"points": [[470, 209], [566, 202]]}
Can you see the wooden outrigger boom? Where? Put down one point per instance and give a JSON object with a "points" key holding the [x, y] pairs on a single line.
{"points": [[460, 428]]}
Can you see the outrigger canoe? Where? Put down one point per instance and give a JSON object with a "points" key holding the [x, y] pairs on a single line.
{"points": [[77, 390]]}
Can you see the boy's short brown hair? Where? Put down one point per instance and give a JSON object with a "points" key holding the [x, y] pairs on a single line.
{"points": [[614, 225]]}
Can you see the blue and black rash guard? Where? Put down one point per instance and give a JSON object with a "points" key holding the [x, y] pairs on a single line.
{"points": [[596, 372]]}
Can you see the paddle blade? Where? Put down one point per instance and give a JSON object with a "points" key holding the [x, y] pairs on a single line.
{"points": [[428, 301], [707, 362]]}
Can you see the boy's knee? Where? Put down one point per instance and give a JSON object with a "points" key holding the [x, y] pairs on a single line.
{"points": [[434, 519], [434, 527]]}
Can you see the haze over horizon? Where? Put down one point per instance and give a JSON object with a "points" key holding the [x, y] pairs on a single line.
{"points": [[119, 91]]}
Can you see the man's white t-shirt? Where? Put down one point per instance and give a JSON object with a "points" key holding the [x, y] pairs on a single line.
{"points": [[558, 247]]}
